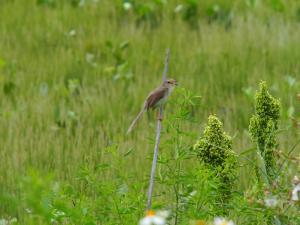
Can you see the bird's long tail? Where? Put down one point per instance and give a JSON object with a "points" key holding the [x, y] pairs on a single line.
{"points": [[134, 122]]}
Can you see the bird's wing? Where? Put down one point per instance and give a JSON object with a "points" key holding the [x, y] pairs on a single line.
{"points": [[154, 97]]}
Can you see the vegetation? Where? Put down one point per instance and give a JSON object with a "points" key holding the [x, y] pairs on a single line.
{"points": [[74, 73], [263, 127], [215, 150]]}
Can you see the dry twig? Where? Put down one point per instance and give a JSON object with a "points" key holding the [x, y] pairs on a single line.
{"points": [[157, 140]]}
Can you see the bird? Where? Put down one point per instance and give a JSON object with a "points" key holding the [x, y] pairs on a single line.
{"points": [[156, 98]]}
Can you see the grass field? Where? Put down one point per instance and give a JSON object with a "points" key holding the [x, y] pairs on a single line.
{"points": [[73, 75]]}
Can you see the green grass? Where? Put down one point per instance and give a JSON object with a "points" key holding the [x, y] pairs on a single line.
{"points": [[65, 114]]}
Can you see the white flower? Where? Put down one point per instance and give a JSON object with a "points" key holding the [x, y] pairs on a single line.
{"points": [[28, 210], [222, 221], [163, 213], [127, 5], [72, 33], [8, 222], [296, 179], [155, 219], [178, 8], [3, 222], [271, 201], [295, 192], [90, 58], [81, 3]]}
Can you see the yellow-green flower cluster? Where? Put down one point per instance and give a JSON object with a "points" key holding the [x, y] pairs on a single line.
{"points": [[214, 149], [264, 124]]}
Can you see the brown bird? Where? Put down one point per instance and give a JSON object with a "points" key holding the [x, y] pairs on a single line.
{"points": [[155, 99]]}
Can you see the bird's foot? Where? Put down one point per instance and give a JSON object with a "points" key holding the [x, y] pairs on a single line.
{"points": [[160, 117]]}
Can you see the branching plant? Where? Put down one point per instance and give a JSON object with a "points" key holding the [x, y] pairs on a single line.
{"points": [[214, 149], [263, 128]]}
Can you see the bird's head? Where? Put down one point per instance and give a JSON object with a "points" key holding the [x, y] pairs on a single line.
{"points": [[170, 83]]}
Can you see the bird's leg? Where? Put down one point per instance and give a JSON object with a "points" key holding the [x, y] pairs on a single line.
{"points": [[159, 116]]}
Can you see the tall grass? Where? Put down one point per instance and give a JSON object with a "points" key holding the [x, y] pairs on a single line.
{"points": [[70, 87]]}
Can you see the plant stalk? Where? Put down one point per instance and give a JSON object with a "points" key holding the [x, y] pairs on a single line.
{"points": [[157, 139]]}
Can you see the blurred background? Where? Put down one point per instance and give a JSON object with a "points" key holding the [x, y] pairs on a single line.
{"points": [[74, 74]]}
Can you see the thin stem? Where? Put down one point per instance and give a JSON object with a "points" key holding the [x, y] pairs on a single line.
{"points": [[154, 162], [262, 166], [157, 139], [177, 204]]}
